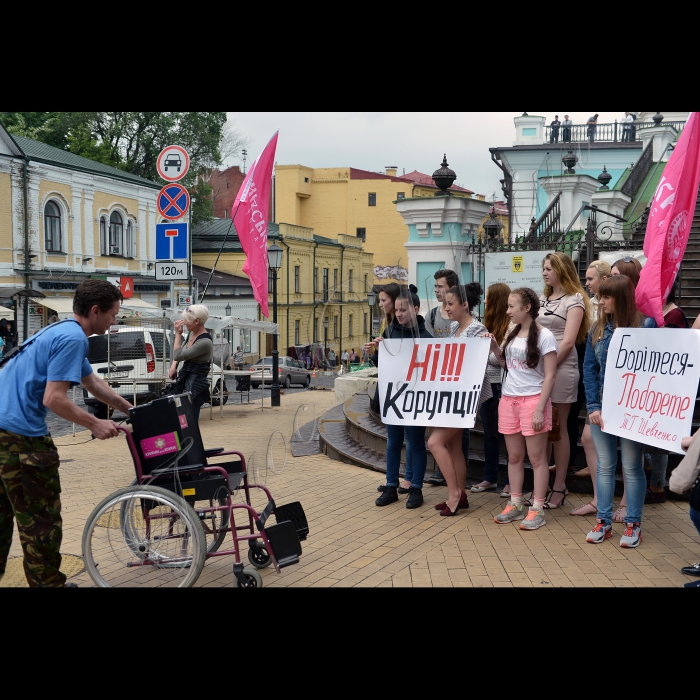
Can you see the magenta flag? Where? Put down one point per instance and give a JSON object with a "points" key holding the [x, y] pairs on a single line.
{"points": [[670, 218], [252, 210]]}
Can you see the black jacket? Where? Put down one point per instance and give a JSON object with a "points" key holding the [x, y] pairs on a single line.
{"points": [[399, 332]]}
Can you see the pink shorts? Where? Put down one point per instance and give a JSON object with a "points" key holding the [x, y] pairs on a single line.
{"points": [[515, 415]]}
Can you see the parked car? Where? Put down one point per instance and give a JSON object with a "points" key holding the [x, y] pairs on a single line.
{"points": [[134, 353], [290, 372]]}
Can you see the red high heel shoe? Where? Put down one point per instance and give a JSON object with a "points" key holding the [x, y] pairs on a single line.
{"points": [[463, 503]]}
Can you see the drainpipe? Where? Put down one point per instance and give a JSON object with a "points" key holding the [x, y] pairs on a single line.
{"points": [[27, 281], [342, 270], [286, 349]]}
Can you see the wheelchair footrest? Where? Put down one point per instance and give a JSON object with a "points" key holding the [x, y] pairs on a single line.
{"points": [[295, 514], [285, 543]]}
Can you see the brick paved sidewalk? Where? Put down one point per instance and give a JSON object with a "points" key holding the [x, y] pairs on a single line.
{"points": [[353, 543]]}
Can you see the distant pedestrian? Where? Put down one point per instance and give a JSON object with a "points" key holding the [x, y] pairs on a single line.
{"points": [[554, 130], [592, 125], [344, 358], [627, 121], [566, 129], [238, 359], [331, 358], [2, 346], [354, 359], [6, 335], [34, 381]]}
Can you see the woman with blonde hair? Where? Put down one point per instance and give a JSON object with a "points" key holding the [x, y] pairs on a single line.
{"points": [[196, 356], [565, 310]]}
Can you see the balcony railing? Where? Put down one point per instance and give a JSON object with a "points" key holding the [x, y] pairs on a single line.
{"points": [[606, 132]]}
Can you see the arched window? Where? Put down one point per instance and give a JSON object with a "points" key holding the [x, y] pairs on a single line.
{"points": [[116, 234], [130, 249], [52, 228], [104, 242]]}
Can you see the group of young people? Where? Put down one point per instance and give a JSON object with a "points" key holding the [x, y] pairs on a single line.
{"points": [[547, 360]]}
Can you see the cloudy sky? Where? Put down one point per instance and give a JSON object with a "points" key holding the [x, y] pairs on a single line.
{"points": [[408, 140]]}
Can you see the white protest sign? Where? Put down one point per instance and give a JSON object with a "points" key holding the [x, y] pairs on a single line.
{"points": [[432, 382], [651, 381]]}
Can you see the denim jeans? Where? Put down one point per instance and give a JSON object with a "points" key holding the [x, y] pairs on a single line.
{"points": [[659, 467], [416, 455], [492, 439], [695, 517], [633, 467]]}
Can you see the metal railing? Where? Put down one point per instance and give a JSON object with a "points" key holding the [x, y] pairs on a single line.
{"points": [[548, 223], [639, 171], [615, 132]]}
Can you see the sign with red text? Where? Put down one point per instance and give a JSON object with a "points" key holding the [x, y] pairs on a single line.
{"points": [[651, 381], [432, 382]]}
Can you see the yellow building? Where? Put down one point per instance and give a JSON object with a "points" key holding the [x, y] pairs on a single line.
{"points": [[357, 204], [321, 279], [63, 219]]}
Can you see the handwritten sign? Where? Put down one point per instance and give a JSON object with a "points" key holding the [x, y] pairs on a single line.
{"points": [[651, 381], [434, 382]]}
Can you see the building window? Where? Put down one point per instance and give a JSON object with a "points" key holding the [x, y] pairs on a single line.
{"points": [[350, 329], [297, 332], [325, 284], [366, 325], [130, 250], [335, 281], [116, 234], [373, 199], [52, 228], [366, 287], [226, 211], [400, 195], [245, 341], [104, 243], [335, 327], [362, 233], [316, 281], [297, 281], [350, 273], [306, 180]]}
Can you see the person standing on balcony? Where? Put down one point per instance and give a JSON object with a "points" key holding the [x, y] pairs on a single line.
{"points": [[627, 121], [592, 125], [566, 129], [554, 133]]}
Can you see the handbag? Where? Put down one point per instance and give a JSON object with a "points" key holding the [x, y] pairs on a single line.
{"points": [[555, 432], [687, 472]]}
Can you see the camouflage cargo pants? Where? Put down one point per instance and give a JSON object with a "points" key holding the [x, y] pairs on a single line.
{"points": [[30, 494]]}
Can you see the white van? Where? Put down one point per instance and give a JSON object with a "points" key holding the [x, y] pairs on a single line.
{"points": [[134, 353]]}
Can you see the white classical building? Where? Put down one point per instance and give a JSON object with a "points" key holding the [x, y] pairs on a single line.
{"points": [[534, 171]]}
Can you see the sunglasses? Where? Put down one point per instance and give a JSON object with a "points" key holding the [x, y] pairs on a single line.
{"points": [[628, 259]]}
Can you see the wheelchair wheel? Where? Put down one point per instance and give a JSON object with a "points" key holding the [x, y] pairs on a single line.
{"points": [[214, 524], [253, 579], [144, 536], [259, 557]]}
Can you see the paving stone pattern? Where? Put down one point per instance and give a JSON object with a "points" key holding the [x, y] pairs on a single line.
{"points": [[354, 544]]}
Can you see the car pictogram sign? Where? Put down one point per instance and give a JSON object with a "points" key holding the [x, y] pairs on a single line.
{"points": [[173, 163], [173, 202], [172, 242]]}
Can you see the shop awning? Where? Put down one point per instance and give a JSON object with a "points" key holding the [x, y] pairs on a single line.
{"points": [[61, 305], [7, 314], [217, 323]]}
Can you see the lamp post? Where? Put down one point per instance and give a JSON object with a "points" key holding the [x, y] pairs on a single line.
{"points": [[371, 300], [275, 254], [228, 309], [325, 340]]}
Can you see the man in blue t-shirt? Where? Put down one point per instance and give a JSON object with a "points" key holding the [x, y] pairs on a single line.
{"points": [[33, 382]]}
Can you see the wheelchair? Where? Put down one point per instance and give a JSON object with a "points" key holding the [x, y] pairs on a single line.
{"points": [[160, 531]]}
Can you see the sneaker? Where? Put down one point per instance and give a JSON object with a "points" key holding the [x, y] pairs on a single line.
{"points": [[415, 498], [600, 533], [436, 480], [389, 496], [534, 521], [632, 537], [511, 514]]}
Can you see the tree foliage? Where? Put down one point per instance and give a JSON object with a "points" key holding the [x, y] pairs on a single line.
{"points": [[131, 141]]}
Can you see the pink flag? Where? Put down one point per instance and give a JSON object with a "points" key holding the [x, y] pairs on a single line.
{"points": [[252, 210], [672, 211]]}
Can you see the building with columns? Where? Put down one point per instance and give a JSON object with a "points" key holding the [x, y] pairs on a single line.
{"points": [[64, 218], [534, 171]]}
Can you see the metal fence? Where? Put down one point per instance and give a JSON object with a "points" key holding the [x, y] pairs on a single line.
{"points": [[615, 132]]}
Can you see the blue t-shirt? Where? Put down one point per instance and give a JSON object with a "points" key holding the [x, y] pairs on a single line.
{"points": [[59, 355]]}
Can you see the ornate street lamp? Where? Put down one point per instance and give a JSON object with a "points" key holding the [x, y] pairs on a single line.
{"points": [[228, 309], [444, 178], [493, 227], [658, 118], [275, 254], [372, 301]]}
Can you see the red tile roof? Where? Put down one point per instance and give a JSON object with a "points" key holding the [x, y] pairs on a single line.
{"points": [[427, 181], [356, 174]]}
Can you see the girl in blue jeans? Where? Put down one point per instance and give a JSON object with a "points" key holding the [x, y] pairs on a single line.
{"points": [[617, 309], [409, 326]]}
